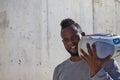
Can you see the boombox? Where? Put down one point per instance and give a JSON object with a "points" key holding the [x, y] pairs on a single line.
{"points": [[106, 44]]}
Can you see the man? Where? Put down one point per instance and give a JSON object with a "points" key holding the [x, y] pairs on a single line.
{"points": [[86, 67]]}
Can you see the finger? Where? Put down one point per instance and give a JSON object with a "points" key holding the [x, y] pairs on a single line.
{"points": [[83, 57], [84, 54], [94, 50], [89, 49]]}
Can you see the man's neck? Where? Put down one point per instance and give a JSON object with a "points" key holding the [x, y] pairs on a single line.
{"points": [[75, 58]]}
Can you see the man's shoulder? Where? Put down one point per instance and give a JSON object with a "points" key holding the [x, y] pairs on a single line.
{"points": [[63, 64]]}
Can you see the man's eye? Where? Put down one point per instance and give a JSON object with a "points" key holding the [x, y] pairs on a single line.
{"points": [[65, 40]]}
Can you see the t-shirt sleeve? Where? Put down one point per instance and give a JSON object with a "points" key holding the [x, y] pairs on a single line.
{"points": [[55, 74], [110, 71]]}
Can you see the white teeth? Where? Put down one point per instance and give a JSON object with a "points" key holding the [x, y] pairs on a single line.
{"points": [[73, 47]]}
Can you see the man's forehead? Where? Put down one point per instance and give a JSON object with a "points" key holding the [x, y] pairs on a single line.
{"points": [[72, 30], [71, 27]]}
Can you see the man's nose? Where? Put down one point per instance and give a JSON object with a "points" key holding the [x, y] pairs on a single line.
{"points": [[70, 41]]}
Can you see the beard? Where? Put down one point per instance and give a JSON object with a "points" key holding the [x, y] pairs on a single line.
{"points": [[73, 54]]}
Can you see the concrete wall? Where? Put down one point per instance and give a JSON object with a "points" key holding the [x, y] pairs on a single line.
{"points": [[20, 40], [30, 43]]}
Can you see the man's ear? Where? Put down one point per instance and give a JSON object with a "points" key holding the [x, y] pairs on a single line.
{"points": [[83, 33]]}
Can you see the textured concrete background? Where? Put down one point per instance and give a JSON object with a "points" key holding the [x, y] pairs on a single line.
{"points": [[30, 43]]}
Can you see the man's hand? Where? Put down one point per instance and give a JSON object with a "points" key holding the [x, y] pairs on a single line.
{"points": [[94, 63]]}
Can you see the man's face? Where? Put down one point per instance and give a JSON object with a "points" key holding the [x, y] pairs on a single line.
{"points": [[70, 39]]}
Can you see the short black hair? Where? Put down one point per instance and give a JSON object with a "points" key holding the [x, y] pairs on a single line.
{"points": [[68, 22]]}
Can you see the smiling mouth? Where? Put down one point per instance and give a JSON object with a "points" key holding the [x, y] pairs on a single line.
{"points": [[72, 47]]}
